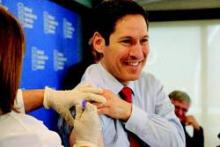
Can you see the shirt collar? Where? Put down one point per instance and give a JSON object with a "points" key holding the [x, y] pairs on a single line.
{"points": [[111, 82]]}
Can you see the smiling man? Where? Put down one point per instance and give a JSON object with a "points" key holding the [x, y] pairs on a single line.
{"points": [[138, 112]]}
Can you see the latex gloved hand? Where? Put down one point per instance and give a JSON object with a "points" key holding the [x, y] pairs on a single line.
{"points": [[87, 127], [62, 101]]}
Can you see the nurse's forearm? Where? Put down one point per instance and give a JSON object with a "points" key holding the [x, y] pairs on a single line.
{"points": [[33, 99]]}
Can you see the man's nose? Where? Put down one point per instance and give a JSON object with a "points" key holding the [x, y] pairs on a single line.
{"points": [[180, 112], [137, 51]]}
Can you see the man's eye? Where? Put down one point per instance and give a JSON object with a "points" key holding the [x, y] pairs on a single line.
{"points": [[144, 40], [126, 41]]}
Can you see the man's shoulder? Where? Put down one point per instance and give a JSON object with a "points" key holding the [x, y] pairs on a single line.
{"points": [[91, 68], [147, 80], [90, 71], [93, 75], [145, 76]]}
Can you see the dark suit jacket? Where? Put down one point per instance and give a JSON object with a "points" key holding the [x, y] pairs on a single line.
{"points": [[197, 140]]}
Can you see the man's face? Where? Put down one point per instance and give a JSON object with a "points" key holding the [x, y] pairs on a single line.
{"points": [[128, 48], [181, 107]]}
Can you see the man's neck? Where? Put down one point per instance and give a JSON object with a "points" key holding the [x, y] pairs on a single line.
{"points": [[124, 83]]}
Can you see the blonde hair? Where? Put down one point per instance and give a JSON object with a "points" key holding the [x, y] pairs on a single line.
{"points": [[180, 95]]}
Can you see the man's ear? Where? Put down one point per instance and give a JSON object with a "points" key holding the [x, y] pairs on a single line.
{"points": [[98, 42]]}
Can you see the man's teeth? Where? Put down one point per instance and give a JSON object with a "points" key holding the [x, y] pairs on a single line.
{"points": [[133, 63]]}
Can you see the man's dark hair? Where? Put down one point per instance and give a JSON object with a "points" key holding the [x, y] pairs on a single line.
{"points": [[107, 13]]}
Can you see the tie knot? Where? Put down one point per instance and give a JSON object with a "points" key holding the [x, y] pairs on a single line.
{"points": [[126, 94]]}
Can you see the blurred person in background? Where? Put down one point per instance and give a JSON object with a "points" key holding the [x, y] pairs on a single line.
{"points": [[181, 102]]}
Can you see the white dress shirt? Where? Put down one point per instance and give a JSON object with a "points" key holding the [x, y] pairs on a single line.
{"points": [[152, 118]]}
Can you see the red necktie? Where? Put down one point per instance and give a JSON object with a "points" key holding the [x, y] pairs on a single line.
{"points": [[126, 94]]}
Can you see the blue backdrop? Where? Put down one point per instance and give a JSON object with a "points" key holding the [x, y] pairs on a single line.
{"points": [[53, 43]]}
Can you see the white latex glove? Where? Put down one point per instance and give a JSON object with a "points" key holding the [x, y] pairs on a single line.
{"points": [[62, 101], [87, 127]]}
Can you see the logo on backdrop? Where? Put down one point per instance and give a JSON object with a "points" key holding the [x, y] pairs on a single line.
{"points": [[38, 59], [50, 23], [59, 60], [68, 29], [26, 15]]}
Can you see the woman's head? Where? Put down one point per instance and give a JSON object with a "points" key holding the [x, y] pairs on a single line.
{"points": [[11, 53]]}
